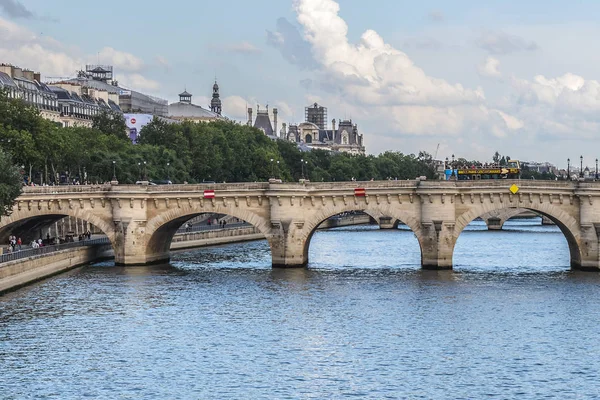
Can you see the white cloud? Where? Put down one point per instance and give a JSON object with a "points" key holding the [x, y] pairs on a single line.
{"points": [[490, 68], [21, 47], [119, 59], [137, 82], [372, 72]]}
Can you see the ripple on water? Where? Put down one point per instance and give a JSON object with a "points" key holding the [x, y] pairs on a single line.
{"points": [[512, 321]]}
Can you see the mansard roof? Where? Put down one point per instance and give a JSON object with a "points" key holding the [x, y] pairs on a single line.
{"points": [[263, 122]]}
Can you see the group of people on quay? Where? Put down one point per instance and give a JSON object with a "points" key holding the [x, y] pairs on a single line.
{"points": [[16, 243]]}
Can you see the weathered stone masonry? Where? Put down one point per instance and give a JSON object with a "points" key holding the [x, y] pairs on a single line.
{"points": [[140, 221]]}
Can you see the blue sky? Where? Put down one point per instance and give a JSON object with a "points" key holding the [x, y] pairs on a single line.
{"points": [[520, 77]]}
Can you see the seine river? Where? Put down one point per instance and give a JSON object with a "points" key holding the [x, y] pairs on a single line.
{"points": [[363, 321]]}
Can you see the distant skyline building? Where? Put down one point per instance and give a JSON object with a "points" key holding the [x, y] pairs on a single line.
{"points": [[313, 133], [317, 115], [65, 104], [185, 110], [100, 77], [263, 121], [215, 103]]}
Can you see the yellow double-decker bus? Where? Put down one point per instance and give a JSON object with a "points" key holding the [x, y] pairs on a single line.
{"points": [[512, 170]]}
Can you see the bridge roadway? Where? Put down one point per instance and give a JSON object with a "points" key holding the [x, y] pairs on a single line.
{"points": [[140, 220]]}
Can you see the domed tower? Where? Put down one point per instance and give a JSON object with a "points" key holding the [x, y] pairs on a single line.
{"points": [[215, 103]]}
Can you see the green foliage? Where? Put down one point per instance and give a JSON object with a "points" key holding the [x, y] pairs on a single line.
{"points": [[11, 183], [110, 124], [218, 151]]}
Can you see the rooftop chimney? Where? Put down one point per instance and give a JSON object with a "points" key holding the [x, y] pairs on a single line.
{"points": [[249, 116]]}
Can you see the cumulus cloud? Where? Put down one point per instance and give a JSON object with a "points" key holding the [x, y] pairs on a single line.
{"points": [[15, 9], [137, 82], [504, 43], [55, 60], [490, 68], [372, 71], [120, 59]]}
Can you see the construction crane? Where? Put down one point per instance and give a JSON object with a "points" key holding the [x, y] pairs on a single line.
{"points": [[436, 152]]}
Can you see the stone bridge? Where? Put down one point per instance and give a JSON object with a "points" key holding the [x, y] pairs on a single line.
{"points": [[140, 220]]}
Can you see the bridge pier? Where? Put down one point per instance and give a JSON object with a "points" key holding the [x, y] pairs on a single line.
{"points": [[289, 249], [387, 223], [437, 245], [494, 224]]}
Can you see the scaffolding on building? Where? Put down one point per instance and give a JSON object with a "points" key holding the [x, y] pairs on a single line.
{"points": [[317, 115]]}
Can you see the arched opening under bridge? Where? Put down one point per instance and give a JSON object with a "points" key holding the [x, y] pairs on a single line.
{"points": [[189, 229], [520, 246], [363, 245], [53, 228]]}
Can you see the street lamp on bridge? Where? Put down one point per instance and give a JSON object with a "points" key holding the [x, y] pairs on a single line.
{"points": [[568, 169], [581, 166], [114, 171], [596, 176]]}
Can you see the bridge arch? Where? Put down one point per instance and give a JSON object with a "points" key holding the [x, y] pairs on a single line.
{"points": [[568, 225], [25, 217], [310, 225], [159, 231]]}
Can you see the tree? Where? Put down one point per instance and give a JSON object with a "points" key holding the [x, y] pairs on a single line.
{"points": [[11, 183], [110, 123]]}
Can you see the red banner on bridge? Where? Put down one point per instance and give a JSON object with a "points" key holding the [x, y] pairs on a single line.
{"points": [[209, 194], [361, 192]]}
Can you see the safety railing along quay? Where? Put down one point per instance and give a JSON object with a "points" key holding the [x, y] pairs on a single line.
{"points": [[26, 252]]}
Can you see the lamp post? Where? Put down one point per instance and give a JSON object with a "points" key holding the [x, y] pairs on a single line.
{"points": [[145, 172], [453, 175], [568, 169], [302, 165], [139, 171], [168, 164], [272, 168], [278, 173], [596, 176], [114, 171], [581, 166]]}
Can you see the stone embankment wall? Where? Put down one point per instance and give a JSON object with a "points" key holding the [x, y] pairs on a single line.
{"points": [[345, 221], [21, 272], [18, 273], [215, 237]]}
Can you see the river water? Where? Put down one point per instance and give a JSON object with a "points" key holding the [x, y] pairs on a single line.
{"points": [[363, 321]]}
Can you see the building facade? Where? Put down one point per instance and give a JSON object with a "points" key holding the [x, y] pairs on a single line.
{"points": [[100, 77], [64, 104], [313, 134]]}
